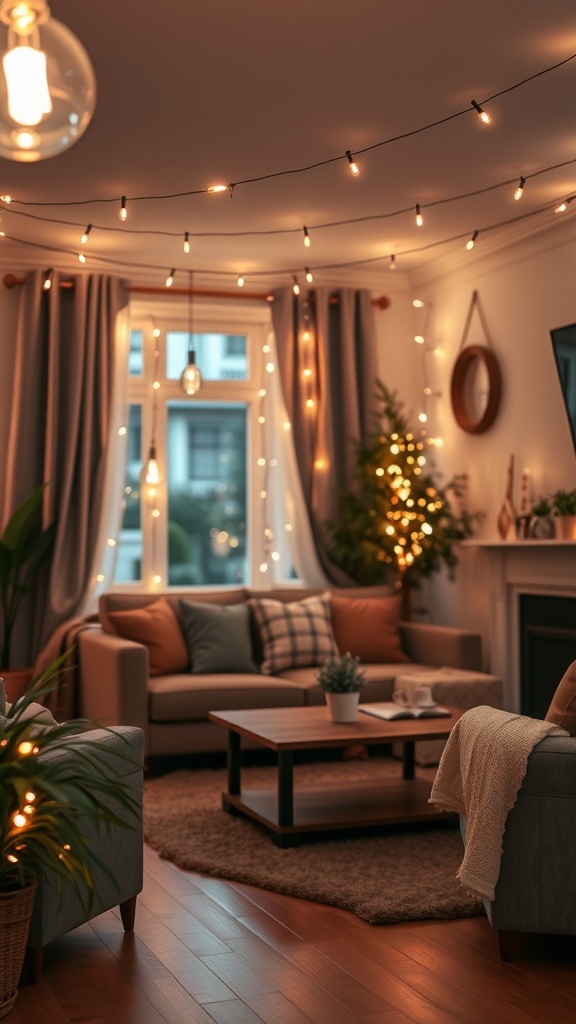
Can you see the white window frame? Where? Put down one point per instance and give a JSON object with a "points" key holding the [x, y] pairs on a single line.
{"points": [[234, 318]]}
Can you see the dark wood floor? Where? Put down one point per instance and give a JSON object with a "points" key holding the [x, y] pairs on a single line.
{"points": [[207, 950]]}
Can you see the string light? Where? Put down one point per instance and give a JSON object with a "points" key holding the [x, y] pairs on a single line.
{"points": [[218, 188], [564, 205], [309, 275], [306, 237], [520, 190], [123, 211], [484, 117], [472, 241], [47, 283], [240, 281], [84, 237], [419, 217], [81, 257], [353, 165], [170, 278], [186, 242], [392, 265], [295, 285]]}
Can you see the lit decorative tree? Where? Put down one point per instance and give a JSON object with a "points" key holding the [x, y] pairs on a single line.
{"points": [[395, 524]]}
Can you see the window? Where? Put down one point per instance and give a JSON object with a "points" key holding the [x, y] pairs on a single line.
{"points": [[204, 522]]}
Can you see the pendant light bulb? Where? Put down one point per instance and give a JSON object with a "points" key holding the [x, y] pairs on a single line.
{"points": [[191, 379], [306, 237], [484, 117], [355, 170], [520, 190], [47, 83], [419, 217], [152, 470]]}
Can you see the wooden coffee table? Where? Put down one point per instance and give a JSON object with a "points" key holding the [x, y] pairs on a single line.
{"points": [[290, 814]]}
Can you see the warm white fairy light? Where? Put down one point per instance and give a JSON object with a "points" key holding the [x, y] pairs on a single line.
{"points": [[419, 217], [472, 241], [186, 242], [170, 278], [84, 237], [295, 285], [482, 114], [123, 211], [218, 188], [306, 237], [47, 283], [520, 189], [81, 257], [352, 163], [392, 264], [240, 281]]}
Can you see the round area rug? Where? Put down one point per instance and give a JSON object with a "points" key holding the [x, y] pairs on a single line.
{"points": [[404, 875]]}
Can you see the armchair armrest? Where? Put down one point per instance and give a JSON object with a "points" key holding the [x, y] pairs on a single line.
{"points": [[113, 679], [442, 645]]}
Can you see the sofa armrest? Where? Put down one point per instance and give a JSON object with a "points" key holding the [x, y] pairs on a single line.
{"points": [[441, 645], [113, 679]]}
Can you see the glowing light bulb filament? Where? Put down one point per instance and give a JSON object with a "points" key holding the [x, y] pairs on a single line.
{"points": [[306, 237], [419, 217], [84, 237], [484, 117], [123, 212], [353, 165], [520, 190]]}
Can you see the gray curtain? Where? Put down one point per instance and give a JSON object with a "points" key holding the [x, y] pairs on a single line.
{"points": [[59, 432], [342, 355]]}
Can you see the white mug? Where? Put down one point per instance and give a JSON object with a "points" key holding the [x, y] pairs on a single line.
{"points": [[420, 696]]}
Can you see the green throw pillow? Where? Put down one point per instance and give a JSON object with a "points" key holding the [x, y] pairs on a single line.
{"points": [[217, 637]]}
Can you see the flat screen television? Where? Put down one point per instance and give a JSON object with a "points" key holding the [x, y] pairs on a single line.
{"points": [[564, 347]]}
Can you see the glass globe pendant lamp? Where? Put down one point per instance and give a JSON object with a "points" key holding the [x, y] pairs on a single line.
{"points": [[47, 83]]}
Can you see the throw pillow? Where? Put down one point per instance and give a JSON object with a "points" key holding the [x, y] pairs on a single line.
{"points": [[296, 634], [368, 628], [218, 637], [562, 710], [156, 626]]}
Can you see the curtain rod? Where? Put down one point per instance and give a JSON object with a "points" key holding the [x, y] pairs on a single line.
{"points": [[11, 281]]}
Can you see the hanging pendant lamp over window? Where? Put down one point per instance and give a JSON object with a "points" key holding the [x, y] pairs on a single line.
{"points": [[47, 83], [191, 379]]}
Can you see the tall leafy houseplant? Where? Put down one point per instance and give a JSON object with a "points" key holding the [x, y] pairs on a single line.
{"points": [[396, 524], [46, 803], [24, 548]]}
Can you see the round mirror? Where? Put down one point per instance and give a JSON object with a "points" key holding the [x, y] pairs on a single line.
{"points": [[476, 389]]}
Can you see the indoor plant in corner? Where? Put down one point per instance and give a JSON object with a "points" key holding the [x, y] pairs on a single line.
{"points": [[341, 678], [24, 548], [44, 802]]}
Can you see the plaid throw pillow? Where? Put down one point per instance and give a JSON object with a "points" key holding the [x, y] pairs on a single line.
{"points": [[294, 635]]}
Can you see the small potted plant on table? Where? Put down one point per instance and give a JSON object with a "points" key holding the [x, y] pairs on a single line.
{"points": [[341, 678]]}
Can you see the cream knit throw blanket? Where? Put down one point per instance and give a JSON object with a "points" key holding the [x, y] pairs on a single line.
{"points": [[479, 775]]}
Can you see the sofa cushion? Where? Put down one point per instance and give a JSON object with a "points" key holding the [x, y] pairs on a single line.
{"points": [[188, 698], [368, 628], [562, 710], [294, 634], [156, 626], [218, 637]]}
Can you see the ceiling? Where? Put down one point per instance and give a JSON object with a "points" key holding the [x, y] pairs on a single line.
{"points": [[193, 94]]}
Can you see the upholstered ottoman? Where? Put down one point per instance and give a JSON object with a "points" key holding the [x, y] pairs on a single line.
{"points": [[456, 687]]}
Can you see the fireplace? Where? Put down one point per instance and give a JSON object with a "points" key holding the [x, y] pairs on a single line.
{"points": [[547, 637], [525, 604]]}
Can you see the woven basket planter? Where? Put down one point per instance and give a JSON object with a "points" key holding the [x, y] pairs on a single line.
{"points": [[15, 914]]}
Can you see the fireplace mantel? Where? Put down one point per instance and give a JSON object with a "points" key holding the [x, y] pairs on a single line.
{"points": [[520, 567]]}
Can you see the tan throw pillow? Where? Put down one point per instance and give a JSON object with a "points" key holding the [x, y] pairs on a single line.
{"points": [[367, 627], [156, 626], [562, 710], [297, 634]]}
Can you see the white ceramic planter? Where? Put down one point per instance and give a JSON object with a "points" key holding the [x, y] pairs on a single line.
{"points": [[343, 707]]}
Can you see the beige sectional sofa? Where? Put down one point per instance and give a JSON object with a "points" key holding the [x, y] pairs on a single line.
{"points": [[160, 679]]}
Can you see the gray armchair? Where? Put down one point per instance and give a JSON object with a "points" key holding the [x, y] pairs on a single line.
{"points": [[120, 850], [536, 888]]}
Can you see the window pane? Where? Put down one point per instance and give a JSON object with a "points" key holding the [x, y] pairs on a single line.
{"points": [[218, 356], [206, 464], [129, 553], [135, 354]]}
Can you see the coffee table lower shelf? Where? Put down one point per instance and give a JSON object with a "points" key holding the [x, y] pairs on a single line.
{"points": [[325, 808]]}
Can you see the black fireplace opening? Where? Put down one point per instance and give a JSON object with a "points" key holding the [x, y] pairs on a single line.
{"points": [[547, 648]]}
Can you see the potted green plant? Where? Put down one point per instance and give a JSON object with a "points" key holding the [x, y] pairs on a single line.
{"points": [[45, 803], [541, 523], [564, 508], [342, 679], [24, 548]]}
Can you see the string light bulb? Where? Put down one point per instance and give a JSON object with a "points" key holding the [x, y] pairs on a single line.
{"points": [[49, 91], [217, 188], [123, 211], [563, 206], [306, 237], [186, 242], [191, 380], [170, 278], [353, 165], [84, 237], [240, 281], [392, 264], [47, 283], [295, 285], [520, 189], [484, 117], [419, 217], [472, 241], [309, 275]]}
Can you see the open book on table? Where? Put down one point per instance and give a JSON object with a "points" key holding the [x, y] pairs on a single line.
{"points": [[390, 710]]}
